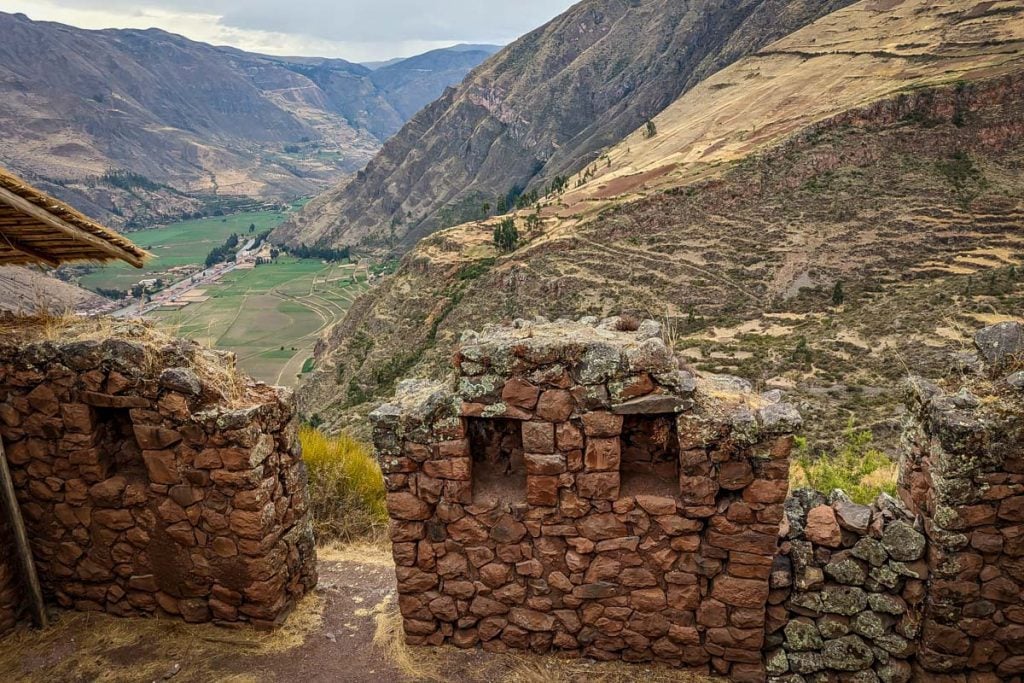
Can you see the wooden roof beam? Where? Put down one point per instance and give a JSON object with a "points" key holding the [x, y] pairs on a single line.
{"points": [[27, 250], [44, 216]]}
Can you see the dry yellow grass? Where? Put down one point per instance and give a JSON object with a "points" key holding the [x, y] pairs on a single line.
{"points": [[216, 368], [107, 649], [346, 487]]}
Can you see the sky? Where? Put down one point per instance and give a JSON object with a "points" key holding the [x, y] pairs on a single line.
{"points": [[356, 30]]}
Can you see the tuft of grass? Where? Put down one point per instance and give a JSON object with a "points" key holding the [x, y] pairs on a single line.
{"points": [[422, 664], [860, 470], [346, 487]]}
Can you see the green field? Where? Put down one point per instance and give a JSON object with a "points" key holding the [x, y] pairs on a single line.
{"points": [[179, 244], [271, 316]]}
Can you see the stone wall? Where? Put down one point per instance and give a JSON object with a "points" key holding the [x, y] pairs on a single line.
{"points": [[523, 517], [11, 591], [963, 472], [576, 490], [155, 481], [847, 591]]}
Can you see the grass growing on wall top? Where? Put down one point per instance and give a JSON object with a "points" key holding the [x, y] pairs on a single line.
{"points": [[346, 487], [859, 469]]}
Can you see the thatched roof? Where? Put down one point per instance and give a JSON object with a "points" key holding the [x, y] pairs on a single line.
{"points": [[36, 228]]}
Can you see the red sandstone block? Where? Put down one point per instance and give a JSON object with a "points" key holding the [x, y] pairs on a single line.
{"points": [[555, 405], [451, 467], [568, 437], [544, 464], [602, 455], [453, 449], [735, 475], [602, 424], [542, 491], [406, 506], [763, 491], [538, 437], [740, 592], [598, 485], [161, 466], [520, 393], [697, 490]]}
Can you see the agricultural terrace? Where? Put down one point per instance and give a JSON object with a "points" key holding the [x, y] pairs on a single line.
{"points": [[270, 316]]}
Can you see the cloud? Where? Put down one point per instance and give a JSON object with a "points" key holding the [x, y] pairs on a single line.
{"points": [[359, 30]]}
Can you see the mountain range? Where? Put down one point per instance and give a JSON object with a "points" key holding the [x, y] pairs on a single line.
{"points": [[544, 107], [138, 126]]}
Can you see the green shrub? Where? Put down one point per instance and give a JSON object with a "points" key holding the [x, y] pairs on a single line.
{"points": [[858, 469], [346, 487]]}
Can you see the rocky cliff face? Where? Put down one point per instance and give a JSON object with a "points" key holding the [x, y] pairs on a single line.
{"points": [[123, 122], [547, 105]]}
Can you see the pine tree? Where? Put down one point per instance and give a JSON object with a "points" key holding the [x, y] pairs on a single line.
{"points": [[838, 296], [506, 235]]}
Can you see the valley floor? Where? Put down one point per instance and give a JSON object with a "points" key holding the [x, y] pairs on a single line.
{"points": [[348, 630], [270, 316]]}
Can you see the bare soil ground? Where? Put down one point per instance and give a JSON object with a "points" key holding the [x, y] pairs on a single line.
{"points": [[348, 630]]}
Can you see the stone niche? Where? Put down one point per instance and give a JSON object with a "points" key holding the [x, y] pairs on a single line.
{"points": [[154, 481], [575, 489]]}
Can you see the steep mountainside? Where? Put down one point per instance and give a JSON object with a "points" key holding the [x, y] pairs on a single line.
{"points": [[26, 290], [904, 189], [131, 126], [544, 106], [413, 83]]}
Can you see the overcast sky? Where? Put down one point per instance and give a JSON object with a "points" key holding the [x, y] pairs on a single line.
{"points": [[357, 30]]}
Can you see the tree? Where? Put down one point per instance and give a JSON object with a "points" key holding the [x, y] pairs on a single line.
{"points": [[252, 228], [838, 296], [802, 353], [506, 236], [650, 130], [965, 178]]}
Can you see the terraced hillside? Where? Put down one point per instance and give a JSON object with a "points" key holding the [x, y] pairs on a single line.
{"points": [[910, 196], [543, 107]]}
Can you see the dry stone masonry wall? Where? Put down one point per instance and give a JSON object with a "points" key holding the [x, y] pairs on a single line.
{"points": [[151, 482], [963, 472], [847, 591], [575, 490]]}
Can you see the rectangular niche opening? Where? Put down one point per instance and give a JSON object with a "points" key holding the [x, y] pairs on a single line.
{"points": [[499, 470], [650, 456], [117, 443]]}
